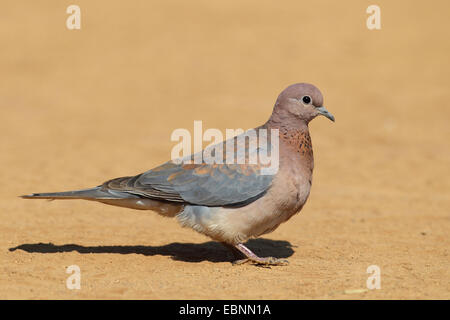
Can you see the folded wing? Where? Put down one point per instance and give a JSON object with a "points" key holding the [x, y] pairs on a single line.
{"points": [[208, 184]]}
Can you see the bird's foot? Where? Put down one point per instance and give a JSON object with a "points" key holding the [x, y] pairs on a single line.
{"points": [[250, 257], [268, 261]]}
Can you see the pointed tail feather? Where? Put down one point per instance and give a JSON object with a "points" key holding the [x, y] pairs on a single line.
{"points": [[115, 198], [96, 193]]}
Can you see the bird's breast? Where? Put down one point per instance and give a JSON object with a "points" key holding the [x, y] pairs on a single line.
{"points": [[296, 166]]}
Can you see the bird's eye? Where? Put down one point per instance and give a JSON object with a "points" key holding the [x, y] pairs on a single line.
{"points": [[306, 99]]}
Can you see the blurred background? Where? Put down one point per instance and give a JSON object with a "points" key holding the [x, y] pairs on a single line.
{"points": [[78, 107]]}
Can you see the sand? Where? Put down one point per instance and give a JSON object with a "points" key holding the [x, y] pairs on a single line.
{"points": [[79, 107]]}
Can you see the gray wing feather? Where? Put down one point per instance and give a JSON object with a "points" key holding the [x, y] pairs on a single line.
{"points": [[199, 184], [206, 184]]}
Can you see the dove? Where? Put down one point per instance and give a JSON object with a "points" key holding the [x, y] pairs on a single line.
{"points": [[229, 202]]}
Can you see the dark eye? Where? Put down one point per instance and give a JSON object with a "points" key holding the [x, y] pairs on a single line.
{"points": [[306, 99]]}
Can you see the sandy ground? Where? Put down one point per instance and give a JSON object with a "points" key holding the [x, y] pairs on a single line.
{"points": [[80, 107]]}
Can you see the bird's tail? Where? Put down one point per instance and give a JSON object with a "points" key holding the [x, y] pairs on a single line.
{"points": [[96, 193], [114, 198]]}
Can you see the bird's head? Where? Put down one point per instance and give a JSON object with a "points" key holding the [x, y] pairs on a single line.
{"points": [[301, 101]]}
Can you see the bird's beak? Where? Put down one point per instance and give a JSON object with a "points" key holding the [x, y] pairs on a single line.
{"points": [[325, 113]]}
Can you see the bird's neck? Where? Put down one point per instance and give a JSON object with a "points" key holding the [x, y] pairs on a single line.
{"points": [[289, 129], [295, 141], [298, 139], [283, 120]]}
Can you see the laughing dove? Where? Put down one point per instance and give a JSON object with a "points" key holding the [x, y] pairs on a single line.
{"points": [[226, 201]]}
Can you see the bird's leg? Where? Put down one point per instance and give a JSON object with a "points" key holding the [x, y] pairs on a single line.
{"points": [[251, 257], [237, 255]]}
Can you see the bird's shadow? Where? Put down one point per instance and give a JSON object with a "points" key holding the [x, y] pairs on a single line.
{"points": [[189, 252]]}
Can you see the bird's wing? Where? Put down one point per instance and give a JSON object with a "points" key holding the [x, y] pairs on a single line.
{"points": [[200, 184]]}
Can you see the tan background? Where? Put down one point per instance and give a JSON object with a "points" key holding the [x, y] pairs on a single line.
{"points": [[80, 107]]}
